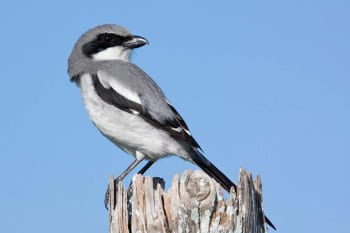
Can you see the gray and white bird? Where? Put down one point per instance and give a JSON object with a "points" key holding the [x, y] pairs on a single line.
{"points": [[127, 106]]}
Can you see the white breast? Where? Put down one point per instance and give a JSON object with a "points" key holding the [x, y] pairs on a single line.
{"points": [[130, 132]]}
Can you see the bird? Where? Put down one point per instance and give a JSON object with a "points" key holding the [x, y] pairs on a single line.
{"points": [[128, 107]]}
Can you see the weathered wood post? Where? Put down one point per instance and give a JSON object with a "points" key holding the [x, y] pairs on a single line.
{"points": [[194, 203]]}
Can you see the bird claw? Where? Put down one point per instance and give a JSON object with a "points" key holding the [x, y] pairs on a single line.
{"points": [[106, 200], [107, 194]]}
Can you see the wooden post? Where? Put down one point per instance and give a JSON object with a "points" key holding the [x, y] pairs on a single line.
{"points": [[194, 203]]}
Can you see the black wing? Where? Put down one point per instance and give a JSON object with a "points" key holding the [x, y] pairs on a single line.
{"points": [[176, 126]]}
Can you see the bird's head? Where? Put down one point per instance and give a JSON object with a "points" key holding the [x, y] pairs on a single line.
{"points": [[104, 42]]}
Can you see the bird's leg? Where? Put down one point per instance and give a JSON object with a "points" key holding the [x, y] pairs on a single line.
{"points": [[142, 171], [145, 168], [122, 176]]}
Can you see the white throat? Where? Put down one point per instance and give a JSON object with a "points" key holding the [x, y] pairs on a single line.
{"points": [[113, 53]]}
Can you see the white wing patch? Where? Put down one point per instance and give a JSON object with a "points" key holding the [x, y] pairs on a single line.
{"points": [[134, 112], [118, 87], [188, 132], [178, 129]]}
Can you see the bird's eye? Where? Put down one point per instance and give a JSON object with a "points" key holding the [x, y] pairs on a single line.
{"points": [[105, 37], [105, 40]]}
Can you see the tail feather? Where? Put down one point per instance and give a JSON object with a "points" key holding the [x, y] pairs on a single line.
{"points": [[201, 161]]}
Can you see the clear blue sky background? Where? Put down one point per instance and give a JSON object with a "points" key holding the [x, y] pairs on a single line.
{"points": [[263, 85]]}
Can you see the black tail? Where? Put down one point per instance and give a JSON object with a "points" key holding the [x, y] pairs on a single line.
{"points": [[201, 161]]}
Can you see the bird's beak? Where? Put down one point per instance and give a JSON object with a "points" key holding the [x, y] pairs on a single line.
{"points": [[135, 42]]}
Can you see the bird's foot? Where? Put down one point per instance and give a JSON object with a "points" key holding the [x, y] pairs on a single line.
{"points": [[106, 200], [107, 194]]}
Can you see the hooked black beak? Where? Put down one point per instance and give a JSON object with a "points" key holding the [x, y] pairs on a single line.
{"points": [[135, 42]]}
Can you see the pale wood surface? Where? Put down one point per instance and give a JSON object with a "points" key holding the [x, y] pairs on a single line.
{"points": [[193, 203]]}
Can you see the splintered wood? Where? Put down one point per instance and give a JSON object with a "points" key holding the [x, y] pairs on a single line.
{"points": [[194, 203]]}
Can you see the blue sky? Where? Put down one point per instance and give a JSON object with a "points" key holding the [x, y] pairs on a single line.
{"points": [[263, 85]]}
